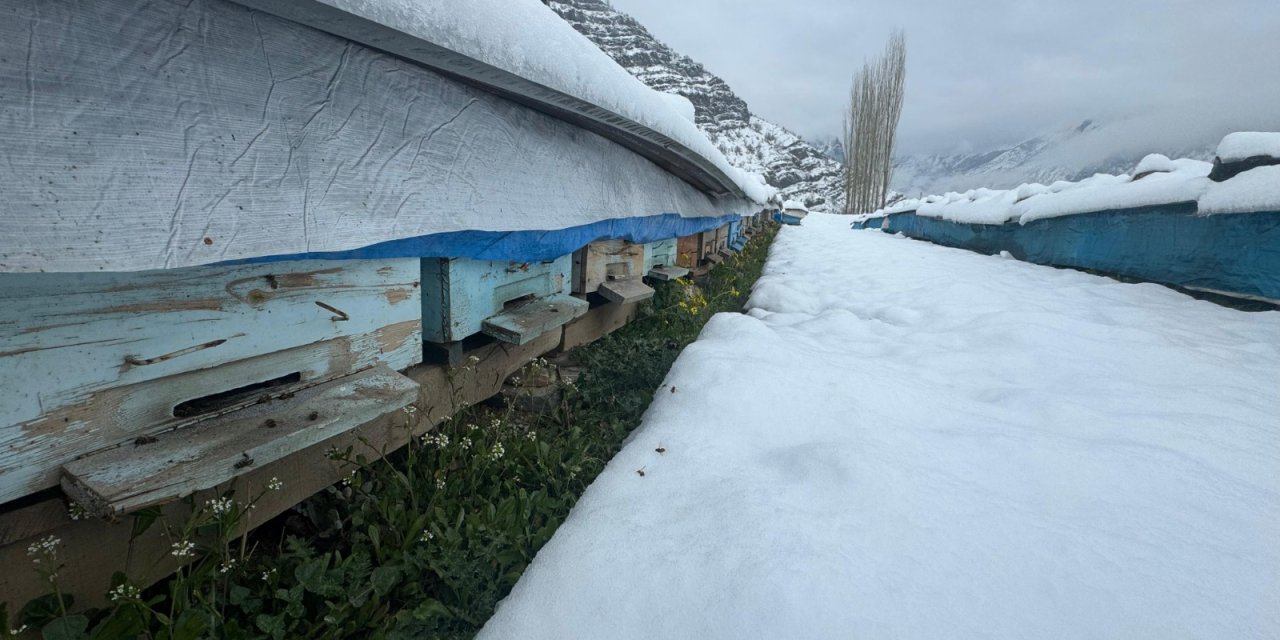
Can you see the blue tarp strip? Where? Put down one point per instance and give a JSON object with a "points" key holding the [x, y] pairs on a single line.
{"points": [[1235, 253], [519, 246]]}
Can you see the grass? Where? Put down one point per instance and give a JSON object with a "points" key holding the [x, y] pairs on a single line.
{"points": [[424, 542]]}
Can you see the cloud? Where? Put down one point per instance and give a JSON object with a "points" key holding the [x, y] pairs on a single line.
{"points": [[988, 72]]}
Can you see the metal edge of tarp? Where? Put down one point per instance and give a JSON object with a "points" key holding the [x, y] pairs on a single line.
{"points": [[668, 154]]}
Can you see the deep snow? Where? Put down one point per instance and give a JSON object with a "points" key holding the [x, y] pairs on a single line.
{"points": [[901, 440]]}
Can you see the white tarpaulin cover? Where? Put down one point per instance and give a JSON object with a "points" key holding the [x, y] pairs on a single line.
{"points": [[142, 135]]}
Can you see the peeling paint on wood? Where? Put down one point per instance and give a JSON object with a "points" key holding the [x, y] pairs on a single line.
{"points": [[522, 323], [181, 462], [459, 294], [605, 261], [91, 360]]}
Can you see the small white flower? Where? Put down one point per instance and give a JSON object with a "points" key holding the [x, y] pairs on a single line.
{"points": [[440, 484], [14, 632], [473, 359], [183, 549], [275, 484], [495, 424], [227, 566], [515, 381], [410, 409], [350, 479], [219, 506], [77, 512], [497, 452], [465, 443], [266, 575], [44, 547], [427, 536], [123, 592], [531, 436]]}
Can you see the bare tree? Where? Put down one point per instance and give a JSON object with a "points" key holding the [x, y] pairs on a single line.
{"points": [[871, 127]]}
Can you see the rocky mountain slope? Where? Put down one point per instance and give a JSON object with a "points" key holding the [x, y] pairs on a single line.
{"points": [[797, 168]]}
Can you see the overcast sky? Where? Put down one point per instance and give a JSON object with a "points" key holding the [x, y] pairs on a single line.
{"points": [[986, 72]]}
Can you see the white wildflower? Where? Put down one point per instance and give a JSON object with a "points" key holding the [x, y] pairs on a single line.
{"points": [[219, 506], [531, 436], [275, 484], [497, 452], [410, 409], [473, 359], [77, 512], [440, 484], [14, 632], [427, 536], [183, 549], [227, 566], [44, 547], [123, 592], [465, 443]]}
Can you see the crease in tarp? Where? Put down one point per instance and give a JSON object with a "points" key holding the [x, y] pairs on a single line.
{"points": [[517, 246]]}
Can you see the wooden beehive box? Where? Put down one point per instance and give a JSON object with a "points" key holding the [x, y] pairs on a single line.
{"points": [[613, 268], [714, 244], [661, 260], [94, 361], [511, 301], [737, 241], [689, 251]]}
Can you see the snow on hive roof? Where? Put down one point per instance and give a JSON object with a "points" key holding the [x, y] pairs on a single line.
{"points": [[528, 39], [1248, 144], [1173, 181], [794, 205], [1253, 190]]}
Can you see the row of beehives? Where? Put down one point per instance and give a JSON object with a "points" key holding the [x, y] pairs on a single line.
{"points": [[134, 389]]}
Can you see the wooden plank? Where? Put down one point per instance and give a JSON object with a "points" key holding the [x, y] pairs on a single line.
{"points": [[626, 291], [180, 462], [524, 322], [689, 251], [600, 262], [31, 457], [125, 328], [97, 548], [459, 294], [33, 520], [597, 323], [667, 273]]}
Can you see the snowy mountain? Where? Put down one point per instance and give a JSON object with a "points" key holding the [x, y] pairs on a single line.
{"points": [[1072, 153], [794, 166]]}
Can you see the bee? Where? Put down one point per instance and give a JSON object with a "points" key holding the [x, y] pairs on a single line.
{"points": [[270, 423], [673, 389], [640, 472], [243, 462], [313, 416], [141, 440], [661, 449]]}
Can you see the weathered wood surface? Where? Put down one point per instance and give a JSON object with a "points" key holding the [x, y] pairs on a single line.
{"points": [[604, 261], [597, 323], [460, 294], [183, 461], [626, 291], [665, 274], [689, 251], [661, 259], [522, 323], [97, 548], [91, 360]]}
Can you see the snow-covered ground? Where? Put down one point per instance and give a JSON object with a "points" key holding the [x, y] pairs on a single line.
{"points": [[901, 440]]}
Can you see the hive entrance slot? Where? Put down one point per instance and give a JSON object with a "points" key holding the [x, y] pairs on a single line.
{"points": [[232, 397], [515, 302]]}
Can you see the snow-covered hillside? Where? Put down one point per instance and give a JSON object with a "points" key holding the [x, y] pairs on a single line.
{"points": [[797, 168], [1072, 153]]}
